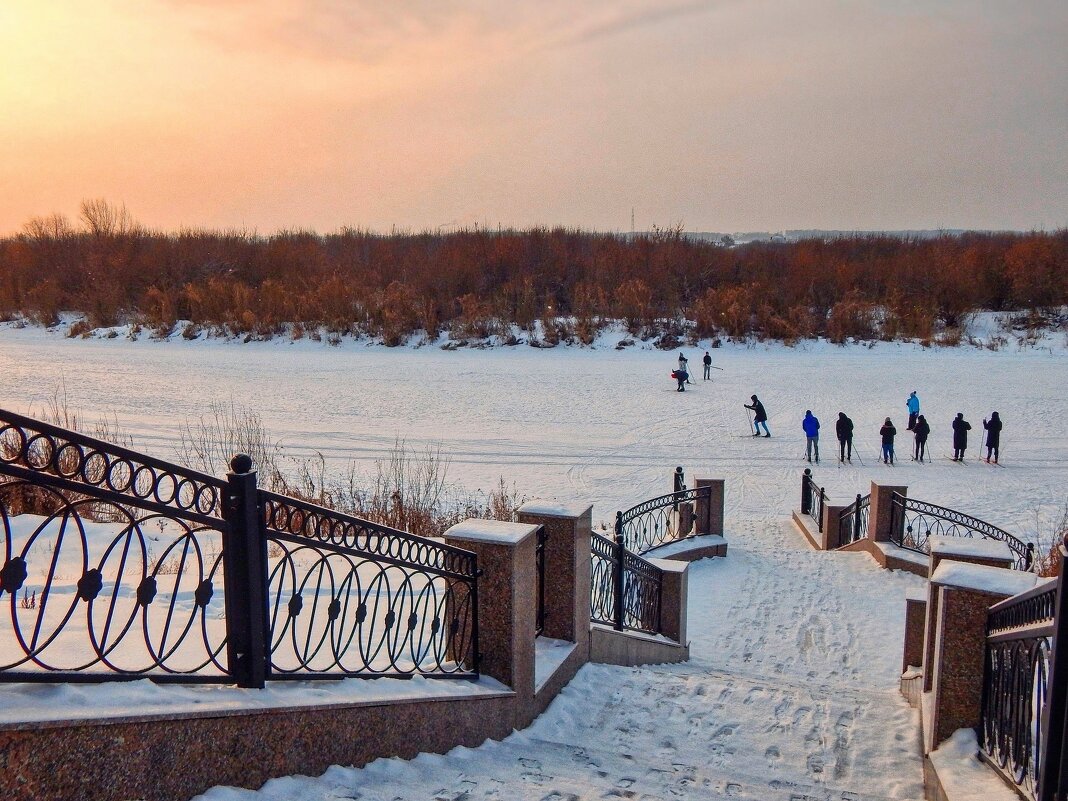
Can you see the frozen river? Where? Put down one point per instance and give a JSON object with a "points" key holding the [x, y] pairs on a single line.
{"points": [[600, 425]]}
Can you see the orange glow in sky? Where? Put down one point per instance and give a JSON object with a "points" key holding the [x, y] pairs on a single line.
{"points": [[725, 115]]}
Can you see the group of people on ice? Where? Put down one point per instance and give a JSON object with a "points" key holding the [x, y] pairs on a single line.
{"points": [[682, 372], [917, 424]]}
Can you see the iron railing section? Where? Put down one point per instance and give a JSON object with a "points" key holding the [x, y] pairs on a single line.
{"points": [[117, 565], [348, 597], [603, 570], [285, 515], [914, 522], [1016, 686], [657, 521], [97, 587], [74, 461], [813, 497], [539, 579], [626, 589], [853, 520]]}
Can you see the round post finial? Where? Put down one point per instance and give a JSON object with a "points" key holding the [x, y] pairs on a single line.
{"points": [[241, 463]]}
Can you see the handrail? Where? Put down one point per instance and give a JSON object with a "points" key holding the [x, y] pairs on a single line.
{"points": [[34, 450], [286, 515], [913, 522], [656, 521], [813, 498], [625, 588], [120, 565], [853, 520], [1017, 687]]}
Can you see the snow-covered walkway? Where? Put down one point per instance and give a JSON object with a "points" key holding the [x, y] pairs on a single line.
{"points": [[791, 694]]}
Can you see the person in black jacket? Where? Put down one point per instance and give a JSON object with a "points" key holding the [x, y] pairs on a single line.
{"points": [[993, 436], [760, 417], [708, 366], [922, 430], [843, 427], [888, 432], [961, 427]]}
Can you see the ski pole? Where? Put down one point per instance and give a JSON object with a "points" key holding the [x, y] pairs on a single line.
{"points": [[749, 417]]}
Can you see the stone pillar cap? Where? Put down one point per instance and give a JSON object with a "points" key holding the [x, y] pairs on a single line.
{"points": [[984, 548], [983, 578], [496, 531], [551, 508]]}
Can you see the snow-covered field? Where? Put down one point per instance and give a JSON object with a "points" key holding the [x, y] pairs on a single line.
{"points": [[792, 688], [588, 424]]}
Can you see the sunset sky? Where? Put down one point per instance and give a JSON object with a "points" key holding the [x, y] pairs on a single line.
{"points": [[727, 116]]}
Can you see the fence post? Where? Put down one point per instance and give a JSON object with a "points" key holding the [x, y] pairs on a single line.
{"points": [[823, 505], [881, 520], [806, 492], [678, 485], [1053, 772], [856, 518], [618, 574], [245, 573]]}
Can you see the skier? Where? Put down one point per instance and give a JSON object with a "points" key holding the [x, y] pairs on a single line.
{"points": [[993, 436], [913, 404], [961, 427], [922, 431], [684, 368], [708, 366], [811, 427], [888, 432], [682, 377], [844, 429], [760, 417]]}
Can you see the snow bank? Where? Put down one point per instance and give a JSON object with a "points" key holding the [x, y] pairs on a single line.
{"points": [[983, 548], [962, 776], [983, 578]]}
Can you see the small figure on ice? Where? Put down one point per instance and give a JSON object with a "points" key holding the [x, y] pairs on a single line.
{"points": [[961, 427], [760, 417], [922, 430], [843, 427], [888, 432], [993, 436], [811, 427], [708, 366], [913, 404], [682, 377], [684, 368]]}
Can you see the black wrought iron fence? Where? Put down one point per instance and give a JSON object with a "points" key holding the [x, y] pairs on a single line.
{"points": [[118, 565], [853, 520], [1016, 686], [914, 522], [660, 520], [813, 498], [626, 589]]}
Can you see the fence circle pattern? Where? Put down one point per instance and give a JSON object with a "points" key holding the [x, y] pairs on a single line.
{"points": [[95, 594], [81, 462]]}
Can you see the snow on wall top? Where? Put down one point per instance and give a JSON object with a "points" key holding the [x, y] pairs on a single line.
{"points": [[965, 546], [983, 578], [498, 531], [962, 776], [551, 508]]}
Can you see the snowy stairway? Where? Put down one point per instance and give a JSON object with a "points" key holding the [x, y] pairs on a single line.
{"points": [[529, 769]]}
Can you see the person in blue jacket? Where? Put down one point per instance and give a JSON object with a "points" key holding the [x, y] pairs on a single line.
{"points": [[913, 405], [811, 426]]}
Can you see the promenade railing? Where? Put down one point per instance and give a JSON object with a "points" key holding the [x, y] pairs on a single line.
{"points": [[658, 521], [1024, 708], [626, 589], [853, 520], [813, 497], [118, 565], [913, 522]]}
